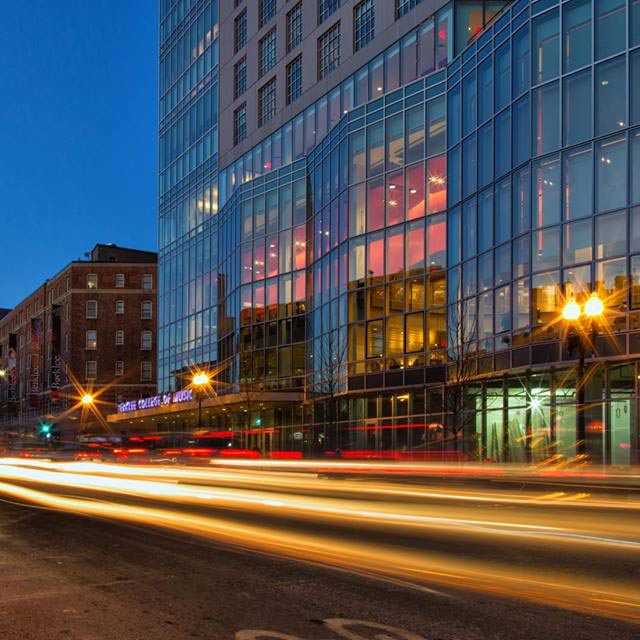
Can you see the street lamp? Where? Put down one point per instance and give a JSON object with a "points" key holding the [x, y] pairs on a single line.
{"points": [[200, 381], [87, 399], [572, 313]]}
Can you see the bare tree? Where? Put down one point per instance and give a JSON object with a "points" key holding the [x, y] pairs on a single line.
{"points": [[331, 366], [462, 390]]}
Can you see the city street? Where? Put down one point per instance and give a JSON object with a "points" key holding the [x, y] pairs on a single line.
{"points": [[220, 553]]}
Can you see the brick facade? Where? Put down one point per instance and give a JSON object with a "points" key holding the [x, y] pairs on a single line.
{"points": [[125, 291]]}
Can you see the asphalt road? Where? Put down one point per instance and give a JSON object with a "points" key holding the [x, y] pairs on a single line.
{"points": [[69, 576]]}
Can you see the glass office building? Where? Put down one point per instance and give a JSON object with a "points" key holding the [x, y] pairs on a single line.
{"points": [[402, 250]]}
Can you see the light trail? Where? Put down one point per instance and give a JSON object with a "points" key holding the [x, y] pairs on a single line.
{"points": [[537, 545]]}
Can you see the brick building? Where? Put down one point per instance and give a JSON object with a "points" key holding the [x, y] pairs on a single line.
{"points": [[90, 329]]}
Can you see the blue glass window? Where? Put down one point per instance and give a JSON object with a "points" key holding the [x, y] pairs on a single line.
{"points": [[453, 118], [577, 34], [436, 127], [521, 209], [611, 95], [485, 88], [485, 154], [546, 119], [578, 183], [469, 166], [469, 224], [634, 80], [611, 173], [577, 107], [611, 27], [485, 220], [634, 141], [469, 104], [521, 61], [546, 192], [577, 242], [635, 23], [521, 131], [502, 199], [545, 249], [503, 143], [546, 47], [503, 76]]}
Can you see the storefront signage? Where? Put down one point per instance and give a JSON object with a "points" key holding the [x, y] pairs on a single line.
{"points": [[154, 402]]}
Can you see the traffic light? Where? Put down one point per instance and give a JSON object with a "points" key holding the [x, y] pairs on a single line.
{"points": [[45, 430]]}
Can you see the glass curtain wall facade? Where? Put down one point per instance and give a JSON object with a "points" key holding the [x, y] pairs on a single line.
{"points": [[188, 193], [402, 250]]}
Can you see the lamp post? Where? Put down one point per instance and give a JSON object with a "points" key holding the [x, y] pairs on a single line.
{"points": [[573, 313], [200, 381]]}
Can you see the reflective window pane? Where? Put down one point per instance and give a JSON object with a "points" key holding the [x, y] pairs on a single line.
{"points": [[469, 104], [545, 249], [521, 209], [611, 95], [414, 132], [577, 34], [578, 183], [634, 140], [577, 242], [502, 201], [436, 127], [634, 80], [521, 61], [546, 119], [611, 27], [502, 76], [485, 90], [375, 149], [611, 173], [546, 192], [611, 235], [503, 143], [521, 131], [546, 49], [485, 154], [577, 107]]}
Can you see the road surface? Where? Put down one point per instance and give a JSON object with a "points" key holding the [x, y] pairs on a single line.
{"points": [[222, 554]]}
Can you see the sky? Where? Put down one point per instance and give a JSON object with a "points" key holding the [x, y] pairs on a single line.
{"points": [[78, 130]]}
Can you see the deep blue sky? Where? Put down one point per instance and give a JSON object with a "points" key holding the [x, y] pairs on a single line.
{"points": [[78, 122]]}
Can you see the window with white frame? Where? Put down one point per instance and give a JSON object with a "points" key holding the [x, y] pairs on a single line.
{"points": [[329, 51], [146, 310], [147, 281], [91, 339], [119, 307], [119, 367], [146, 340], [92, 281], [146, 371], [91, 311], [120, 280], [119, 337], [91, 369]]}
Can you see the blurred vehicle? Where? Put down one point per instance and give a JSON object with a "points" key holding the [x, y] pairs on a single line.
{"points": [[169, 448]]}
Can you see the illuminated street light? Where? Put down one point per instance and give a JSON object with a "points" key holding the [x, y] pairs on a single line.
{"points": [[580, 336], [571, 310], [87, 399], [593, 307], [3, 373], [199, 381]]}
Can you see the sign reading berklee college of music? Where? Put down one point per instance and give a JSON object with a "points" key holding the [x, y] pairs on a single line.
{"points": [[156, 401]]}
